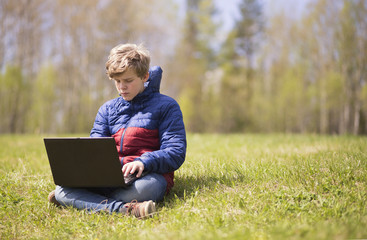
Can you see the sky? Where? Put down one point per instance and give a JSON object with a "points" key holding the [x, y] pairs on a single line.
{"points": [[292, 8], [228, 8]]}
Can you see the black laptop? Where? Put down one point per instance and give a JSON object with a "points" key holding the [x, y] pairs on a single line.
{"points": [[84, 162]]}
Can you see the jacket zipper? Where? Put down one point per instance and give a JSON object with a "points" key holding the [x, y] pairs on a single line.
{"points": [[127, 125]]}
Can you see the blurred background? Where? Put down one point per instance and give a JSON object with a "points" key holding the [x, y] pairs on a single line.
{"points": [[233, 65]]}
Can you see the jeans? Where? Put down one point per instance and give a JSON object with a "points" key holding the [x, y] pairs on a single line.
{"points": [[150, 187]]}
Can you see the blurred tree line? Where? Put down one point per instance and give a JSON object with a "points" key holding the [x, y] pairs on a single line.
{"points": [[278, 74]]}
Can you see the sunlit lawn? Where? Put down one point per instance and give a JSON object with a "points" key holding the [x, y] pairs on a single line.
{"points": [[230, 187]]}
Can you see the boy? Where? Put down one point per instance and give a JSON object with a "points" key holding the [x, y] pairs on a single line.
{"points": [[150, 137]]}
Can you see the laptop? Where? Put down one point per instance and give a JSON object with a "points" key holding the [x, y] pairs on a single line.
{"points": [[84, 162]]}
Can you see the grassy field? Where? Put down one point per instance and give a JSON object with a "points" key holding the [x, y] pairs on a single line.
{"points": [[230, 187]]}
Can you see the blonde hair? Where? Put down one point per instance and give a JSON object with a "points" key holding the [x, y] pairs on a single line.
{"points": [[126, 56]]}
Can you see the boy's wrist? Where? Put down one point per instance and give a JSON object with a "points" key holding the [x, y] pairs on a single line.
{"points": [[146, 169]]}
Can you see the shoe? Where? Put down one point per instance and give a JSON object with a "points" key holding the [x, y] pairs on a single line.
{"points": [[52, 199], [139, 209]]}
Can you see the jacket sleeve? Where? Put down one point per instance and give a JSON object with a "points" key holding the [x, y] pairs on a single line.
{"points": [[172, 152], [100, 126]]}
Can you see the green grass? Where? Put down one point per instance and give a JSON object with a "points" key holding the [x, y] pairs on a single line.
{"points": [[230, 187]]}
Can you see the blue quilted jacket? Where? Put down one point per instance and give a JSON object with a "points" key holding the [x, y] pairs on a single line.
{"points": [[148, 128]]}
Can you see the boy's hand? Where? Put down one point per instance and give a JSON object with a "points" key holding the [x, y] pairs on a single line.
{"points": [[132, 167]]}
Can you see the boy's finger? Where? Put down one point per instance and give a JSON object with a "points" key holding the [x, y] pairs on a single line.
{"points": [[133, 168], [140, 172], [127, 169]]}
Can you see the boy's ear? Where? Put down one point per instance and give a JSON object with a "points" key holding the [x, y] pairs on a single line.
{"points": [[146, 77]]}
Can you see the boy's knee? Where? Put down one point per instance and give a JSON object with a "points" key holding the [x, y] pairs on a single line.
{"points": [[154, 187]]}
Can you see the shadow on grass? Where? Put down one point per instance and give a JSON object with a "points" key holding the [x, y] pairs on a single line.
{"points": [[189, 185]]}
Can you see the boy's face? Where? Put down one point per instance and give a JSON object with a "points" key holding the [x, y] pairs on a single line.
{"points": [[128, 84]]}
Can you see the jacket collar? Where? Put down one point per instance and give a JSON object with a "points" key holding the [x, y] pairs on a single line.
{"points": [[154, 80]]}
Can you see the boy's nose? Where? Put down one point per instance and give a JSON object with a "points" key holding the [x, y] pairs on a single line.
{"points": [[122, 86]]}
